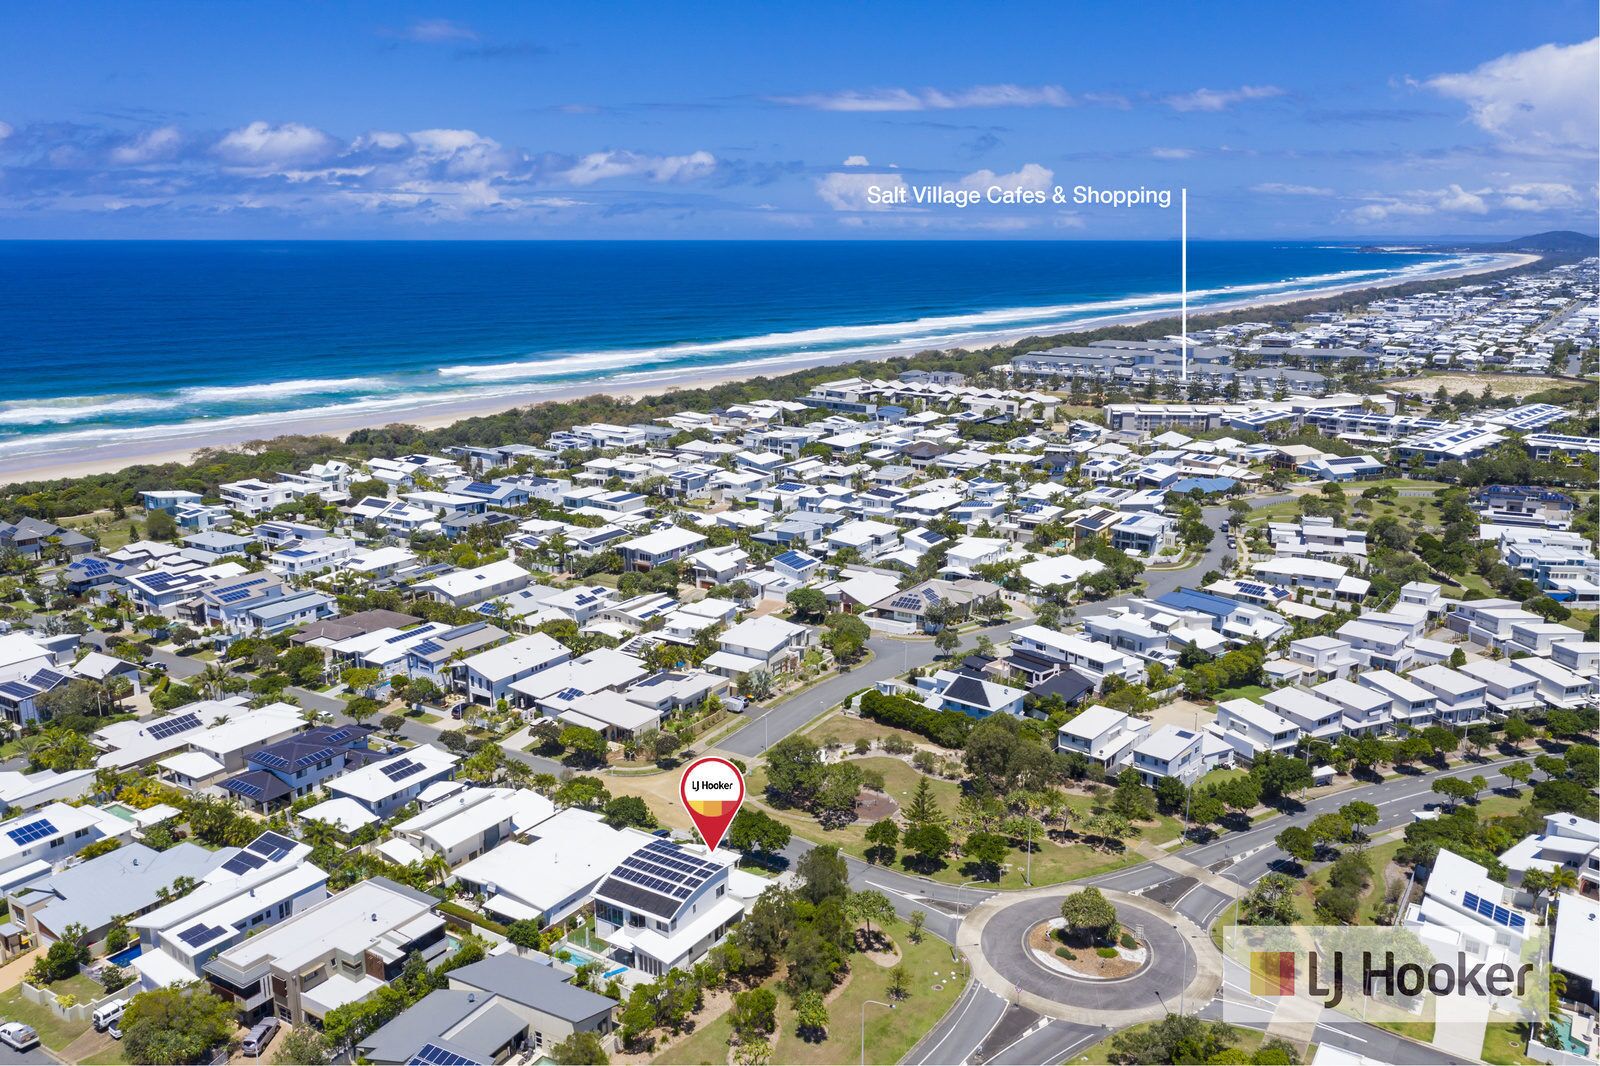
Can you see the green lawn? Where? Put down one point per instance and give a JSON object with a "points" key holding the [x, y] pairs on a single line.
{"points": [[1249, 692], [54, 1033], [1052, 863], [890, 1034], [1505, 1044]]}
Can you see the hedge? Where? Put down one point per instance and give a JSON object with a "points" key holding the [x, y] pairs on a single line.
{"points": [[948, 729]]}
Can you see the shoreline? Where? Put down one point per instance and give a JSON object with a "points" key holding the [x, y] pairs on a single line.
{"points": [[186, 440]]}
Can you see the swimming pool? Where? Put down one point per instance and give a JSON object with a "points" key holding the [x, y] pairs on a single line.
{"points": [[584, 958]]}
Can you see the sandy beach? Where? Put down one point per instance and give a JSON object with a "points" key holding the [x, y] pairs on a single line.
{"points": [[179, 443]]}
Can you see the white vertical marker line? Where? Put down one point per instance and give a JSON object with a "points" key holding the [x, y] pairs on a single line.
{"points": [[1183, 211]]}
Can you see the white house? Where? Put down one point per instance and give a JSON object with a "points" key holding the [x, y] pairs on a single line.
{"points": [[1102, 735], [463, 588], [1459, 698], [488, 675], [1250, 729]]}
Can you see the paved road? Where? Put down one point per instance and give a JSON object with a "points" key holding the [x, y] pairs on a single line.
{"points": [[894, 656], [964, 1034]]}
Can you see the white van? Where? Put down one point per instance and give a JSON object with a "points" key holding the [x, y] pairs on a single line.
{"points": [[108, 1014]]}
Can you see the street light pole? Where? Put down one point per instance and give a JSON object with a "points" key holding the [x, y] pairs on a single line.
{"points": [[864, 1005]]}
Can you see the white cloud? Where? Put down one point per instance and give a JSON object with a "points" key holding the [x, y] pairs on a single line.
{"points": [[848, 192], [1459, 200], [601, 166], [1220, 99], [1172, 153], [978, 96], [264, 145], [1278, 188], [437, 31], [150, 146], [1539, 100], [1030, 176], [5, 130], [854, 161], [1538, 196]]}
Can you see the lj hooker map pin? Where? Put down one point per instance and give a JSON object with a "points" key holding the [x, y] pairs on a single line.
{"points": [[712, 790]]}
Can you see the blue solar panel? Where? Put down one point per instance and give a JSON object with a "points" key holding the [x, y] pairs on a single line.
{"points": [[270, 759], [244, 862], [434, 1055], [24, 835], [271, 845], [399, 771], [247, 789], [171, 726]]}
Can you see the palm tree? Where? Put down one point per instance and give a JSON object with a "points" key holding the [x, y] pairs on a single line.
{"points": [[212, 678], [1561, 879], [313, 717], [436, 867]]}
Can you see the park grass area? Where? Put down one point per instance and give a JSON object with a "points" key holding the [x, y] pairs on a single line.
{"points": [[889, 1034], [1371, 899], [847, 729], [1247, 1040], [1505, 1044], [424, 717], [1052, 863], [1579, 619], [54, 1033]]}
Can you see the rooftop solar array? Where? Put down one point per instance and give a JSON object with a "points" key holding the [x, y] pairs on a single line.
{"points": [[272, 846], [434, 1055], [1498, 915], [244, 862], [24, 835], [666, 868], [399, 771], [244, 787], [199, 933], [178, 723]]}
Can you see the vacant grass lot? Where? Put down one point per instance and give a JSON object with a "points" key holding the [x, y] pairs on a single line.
{"points": [[890, 1034], [1052, 862]]}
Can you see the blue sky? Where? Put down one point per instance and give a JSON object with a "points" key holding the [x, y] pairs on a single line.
{"points": [[758, 121]]}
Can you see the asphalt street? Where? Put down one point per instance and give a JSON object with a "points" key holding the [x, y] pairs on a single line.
{"points": [[894, 656]]}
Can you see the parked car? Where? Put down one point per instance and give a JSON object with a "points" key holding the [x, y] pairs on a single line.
{"points": [[18, 1037], [115, 1029], [259, 1037]]}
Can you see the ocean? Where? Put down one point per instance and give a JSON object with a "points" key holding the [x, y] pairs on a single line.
{"points": [[108, 342]]}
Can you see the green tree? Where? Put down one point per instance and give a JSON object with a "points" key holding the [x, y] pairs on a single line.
{"points": [[623, 811], [177, 1024], [1454, 789], [1089, 914], [1269, 902], [870, 905], [987, 852], [811, 1017], [580, 1049], [923, 808], [1297, 843], [755, 1013], [929, 843], [756, 832], [882, 838], [303, 1046]]}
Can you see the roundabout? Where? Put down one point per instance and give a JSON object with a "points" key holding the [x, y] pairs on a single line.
{"points": [[1179, 963]]}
